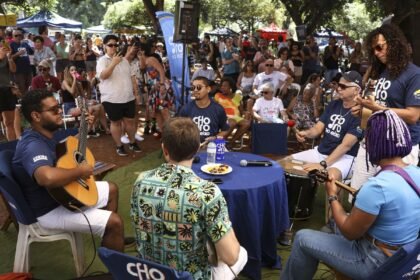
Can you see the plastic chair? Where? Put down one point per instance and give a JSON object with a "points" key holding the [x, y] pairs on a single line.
{"points": [[269, 138], [125, 267], [29, 229]]}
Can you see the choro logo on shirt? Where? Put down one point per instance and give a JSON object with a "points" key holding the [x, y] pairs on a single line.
{"points": [[203, 124], [381, 90], [40, 157], [334, 128]]}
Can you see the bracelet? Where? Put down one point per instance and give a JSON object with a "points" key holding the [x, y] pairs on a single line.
{"points": [[331, 198]]}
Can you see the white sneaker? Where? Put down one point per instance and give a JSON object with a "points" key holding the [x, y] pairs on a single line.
{"points": [[124, 139]]}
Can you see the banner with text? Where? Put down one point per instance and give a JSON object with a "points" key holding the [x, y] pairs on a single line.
{"points": [[175, 54]]}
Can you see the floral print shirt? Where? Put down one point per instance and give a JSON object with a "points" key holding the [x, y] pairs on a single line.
{"points": [[174, 214]]}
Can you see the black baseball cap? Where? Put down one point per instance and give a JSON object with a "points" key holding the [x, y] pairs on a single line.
{"points": [[353, 77], [110, 37]]}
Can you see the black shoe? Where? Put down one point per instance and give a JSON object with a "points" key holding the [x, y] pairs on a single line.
{"points": [[121, 151], [129, 241], [146, 129], [153, 130], [134, 147]]}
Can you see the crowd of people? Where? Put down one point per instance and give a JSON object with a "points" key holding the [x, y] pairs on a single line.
{"points": [[240, 80]]}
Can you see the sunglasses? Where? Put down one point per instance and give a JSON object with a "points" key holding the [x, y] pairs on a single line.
{"points": [[343, 86], [269, 65], [54, 109], [198, 88], [379, 47], [265, 92], [112, 45], [17, 35]]}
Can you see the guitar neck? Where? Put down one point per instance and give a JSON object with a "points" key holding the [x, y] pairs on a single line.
{"points": [[83, 128], [347, 188]]}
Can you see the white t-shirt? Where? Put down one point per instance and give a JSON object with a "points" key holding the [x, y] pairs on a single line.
{"points": [[269, 110], [276, 78], [118, 88]]}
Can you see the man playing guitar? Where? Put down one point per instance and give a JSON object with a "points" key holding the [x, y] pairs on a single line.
{"points": [[397, 88], [35, 168]]}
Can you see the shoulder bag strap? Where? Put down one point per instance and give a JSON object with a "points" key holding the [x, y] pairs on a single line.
{"points": [[403, 174]]}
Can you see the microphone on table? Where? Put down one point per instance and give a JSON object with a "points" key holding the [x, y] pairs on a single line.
{"points": [[245, 162]]}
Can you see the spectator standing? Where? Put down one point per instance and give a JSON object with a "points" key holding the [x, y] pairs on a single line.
{"points": [[62, 49], [231, 60], [20, 55], [330, 60], [283, 60], [297, 58], [356, 57], [43, 53], [91, 55], [117, 93], [7, 98], [77, 53], [310, 58]]}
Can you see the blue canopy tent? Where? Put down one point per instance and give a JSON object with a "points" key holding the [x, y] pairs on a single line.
{"points": [[45, 17], [327, 33], [225, 31]]}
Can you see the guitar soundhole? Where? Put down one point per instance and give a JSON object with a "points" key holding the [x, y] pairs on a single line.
{"points": [[79, 157]]}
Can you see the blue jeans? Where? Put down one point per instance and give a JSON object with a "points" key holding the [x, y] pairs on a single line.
{"points": [[355, 259]]}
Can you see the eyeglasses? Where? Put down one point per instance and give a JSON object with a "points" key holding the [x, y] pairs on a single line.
{"points": [[54, 109], [198, 87], [379, 47], [42, 69], [269, 65], [112, 45], [343, 86], [265, 92]]}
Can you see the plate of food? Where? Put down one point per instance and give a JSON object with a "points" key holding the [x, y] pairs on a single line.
{"points": [[216, 169]]}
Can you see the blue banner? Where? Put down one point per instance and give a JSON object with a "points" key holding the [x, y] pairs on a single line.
{"points": [[175, 54]]}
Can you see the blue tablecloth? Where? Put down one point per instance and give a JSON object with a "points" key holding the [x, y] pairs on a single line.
{"points": [[258, 208]]}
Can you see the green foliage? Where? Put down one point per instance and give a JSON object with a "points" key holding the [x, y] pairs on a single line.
{"points": [[89, 12], [246, 13], [27, 6], [354, 22], [126, 13]]}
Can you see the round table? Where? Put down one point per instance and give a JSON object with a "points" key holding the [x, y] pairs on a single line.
{"points": [[257, 204]]}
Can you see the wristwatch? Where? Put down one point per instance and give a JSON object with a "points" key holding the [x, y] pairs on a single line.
{"points": [[331, 198], [324, 164]]}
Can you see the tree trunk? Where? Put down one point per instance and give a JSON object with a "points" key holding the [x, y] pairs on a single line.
{"points": [[410, 28]]}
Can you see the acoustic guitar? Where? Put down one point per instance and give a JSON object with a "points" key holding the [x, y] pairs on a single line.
{"points": [[322, 176], [71, 153]]}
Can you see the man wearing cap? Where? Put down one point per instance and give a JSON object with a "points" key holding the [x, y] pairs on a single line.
{"points": [[159, 50], [117, 93], [44, 80], [341, 131]]}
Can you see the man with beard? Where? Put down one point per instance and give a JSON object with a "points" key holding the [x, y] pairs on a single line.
{"points": [[209, 116], [35, 168]]}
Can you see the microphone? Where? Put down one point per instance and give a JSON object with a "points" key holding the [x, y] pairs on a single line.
{"points": [[245, 162]]}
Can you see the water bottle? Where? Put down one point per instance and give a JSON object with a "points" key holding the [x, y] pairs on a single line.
{"points": [[220, 149], [211, 153]]}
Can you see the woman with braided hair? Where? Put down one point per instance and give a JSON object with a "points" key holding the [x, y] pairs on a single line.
{"points": [[385, 215]]}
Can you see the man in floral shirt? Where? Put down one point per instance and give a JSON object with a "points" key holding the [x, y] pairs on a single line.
{"points": [[176, 214]]}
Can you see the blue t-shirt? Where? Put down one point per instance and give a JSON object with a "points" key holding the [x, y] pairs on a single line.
{"points": [[402, 92], [233, 67], [396, 205], [23, 65], [210, 120], [338, 122], [34, 150]]}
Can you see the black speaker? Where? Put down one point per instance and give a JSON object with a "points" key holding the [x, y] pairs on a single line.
{"points": [[187, 15], [301, 32]]}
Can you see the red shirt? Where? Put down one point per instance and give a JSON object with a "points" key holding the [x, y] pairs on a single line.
{"points": [[38, 82]]}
